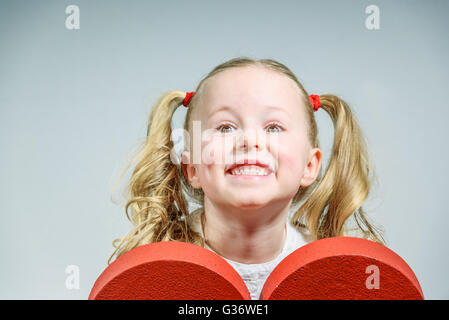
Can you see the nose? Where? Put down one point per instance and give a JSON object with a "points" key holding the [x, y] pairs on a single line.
{"points": [[249, 140]]}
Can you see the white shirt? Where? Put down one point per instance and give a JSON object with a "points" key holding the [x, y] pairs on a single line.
{"points": [[255, 275]]}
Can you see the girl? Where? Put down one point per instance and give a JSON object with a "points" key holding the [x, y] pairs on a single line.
{"points": [[269, 197]]}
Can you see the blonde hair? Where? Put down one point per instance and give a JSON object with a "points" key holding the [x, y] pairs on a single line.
{"points": [[157, 185]]}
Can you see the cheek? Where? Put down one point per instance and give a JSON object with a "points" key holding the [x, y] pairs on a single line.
{"points": [[212, 162], [291, 162], [291, 155], [216, 153]]}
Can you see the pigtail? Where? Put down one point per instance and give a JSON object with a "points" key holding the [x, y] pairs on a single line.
{"points": [[339, 194], [157, 203]]}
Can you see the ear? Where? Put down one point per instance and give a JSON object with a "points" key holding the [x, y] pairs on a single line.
{"points": [[313, 167], [189, 170]]}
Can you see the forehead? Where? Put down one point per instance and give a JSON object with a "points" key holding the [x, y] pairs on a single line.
{"points": [[251, 89]]}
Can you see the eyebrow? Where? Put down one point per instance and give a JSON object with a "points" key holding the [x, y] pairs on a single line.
{"points": [[232, 110]]}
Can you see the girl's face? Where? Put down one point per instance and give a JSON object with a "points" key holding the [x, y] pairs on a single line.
{"points": [[251, 113]]}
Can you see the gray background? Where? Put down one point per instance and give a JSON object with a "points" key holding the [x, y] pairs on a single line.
{"points": [[74, 104]]}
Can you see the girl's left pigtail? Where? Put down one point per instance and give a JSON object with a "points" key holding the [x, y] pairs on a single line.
{"points": [[345, 185]]}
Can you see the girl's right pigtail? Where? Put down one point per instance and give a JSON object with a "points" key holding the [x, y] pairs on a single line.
{"points": [[340, 193], [157, 203]]}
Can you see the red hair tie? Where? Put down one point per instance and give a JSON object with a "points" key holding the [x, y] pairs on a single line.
{"points": [[315, 101], [187, 99]]}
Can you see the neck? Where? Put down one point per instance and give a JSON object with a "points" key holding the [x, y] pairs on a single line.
{"points": [[246, 235]]}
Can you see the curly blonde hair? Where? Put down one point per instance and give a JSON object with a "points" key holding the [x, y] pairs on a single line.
{"points": [[157, 186]]}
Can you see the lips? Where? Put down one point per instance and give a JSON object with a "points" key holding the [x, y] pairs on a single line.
{"points": [[249, 168]]}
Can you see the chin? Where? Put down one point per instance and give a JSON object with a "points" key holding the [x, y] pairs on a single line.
{"points": [[250, 203]]}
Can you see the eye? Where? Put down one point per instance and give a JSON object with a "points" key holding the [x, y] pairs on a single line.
{"points": [[225, 126], [275, 125]]}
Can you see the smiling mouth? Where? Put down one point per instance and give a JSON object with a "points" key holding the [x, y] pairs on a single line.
{"points": [[249, 171]]}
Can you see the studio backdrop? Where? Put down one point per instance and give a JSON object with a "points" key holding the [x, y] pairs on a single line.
{"points": [[78, 79]]}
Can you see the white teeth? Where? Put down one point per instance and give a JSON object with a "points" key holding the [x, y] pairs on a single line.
{"points": [[250, 170]]}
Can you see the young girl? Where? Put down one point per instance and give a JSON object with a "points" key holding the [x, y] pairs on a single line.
{"points": [[269, 196]]}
